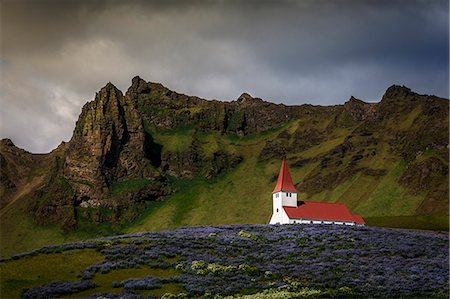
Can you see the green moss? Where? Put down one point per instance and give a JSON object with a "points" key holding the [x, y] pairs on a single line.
{"points": [[59, 189], [129, 185], [191, 110], [174, 140]]}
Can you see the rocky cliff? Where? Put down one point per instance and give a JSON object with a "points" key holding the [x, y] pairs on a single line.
{"points": [[109, 143], [128, 150]]}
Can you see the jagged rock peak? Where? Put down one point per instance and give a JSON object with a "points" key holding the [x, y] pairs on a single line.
{"points": [[397, 91], [107, 143], [360, 110], [109, 85], [7, 142], [353, 101], [107, 93], [140, 86], [244, 97], [247, 100], [352, 98]]}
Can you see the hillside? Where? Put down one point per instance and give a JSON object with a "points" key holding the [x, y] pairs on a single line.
{"points": [[153, 159], [238, 261]]}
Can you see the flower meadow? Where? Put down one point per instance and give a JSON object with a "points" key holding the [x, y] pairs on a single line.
{"points": [[260, 261]]}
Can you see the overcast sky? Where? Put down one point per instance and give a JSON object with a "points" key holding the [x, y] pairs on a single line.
{"points": [[57, 54]]}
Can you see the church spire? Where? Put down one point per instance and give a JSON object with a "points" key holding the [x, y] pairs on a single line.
{"points": [[284, 182]]}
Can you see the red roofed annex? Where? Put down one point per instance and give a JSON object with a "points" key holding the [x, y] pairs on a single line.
{"points": [[287, 209]]}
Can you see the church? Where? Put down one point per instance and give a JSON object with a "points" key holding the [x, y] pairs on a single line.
{"points": [[287, 209]]}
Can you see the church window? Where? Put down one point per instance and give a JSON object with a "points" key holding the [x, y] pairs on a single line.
{"points": [[277, 210]]}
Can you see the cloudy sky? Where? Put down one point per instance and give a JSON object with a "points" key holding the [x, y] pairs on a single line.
{"points": [[56, 54]]}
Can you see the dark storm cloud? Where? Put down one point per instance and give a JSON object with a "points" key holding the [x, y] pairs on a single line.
{"points": [[57, 54]]}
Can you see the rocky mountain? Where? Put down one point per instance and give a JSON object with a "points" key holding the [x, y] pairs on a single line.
{"points": [[152, 145]]}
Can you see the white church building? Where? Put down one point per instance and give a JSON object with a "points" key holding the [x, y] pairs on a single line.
{"points": [[287, 209]]}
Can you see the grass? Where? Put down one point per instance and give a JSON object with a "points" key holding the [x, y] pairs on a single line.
{"points": [[426, 222], [389, 198], [204, 202], [19, 233], [433, 153], [87, 229], [128, 186], [197, 204], [342, 193], [410, 118], [44, 268], [322, 147], [176, 140]]}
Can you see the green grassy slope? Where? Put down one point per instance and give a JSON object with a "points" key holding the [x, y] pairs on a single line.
{"points": [[243, 195]]}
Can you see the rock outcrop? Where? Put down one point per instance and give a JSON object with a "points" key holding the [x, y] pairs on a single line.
{"points": [[109, 143], [167, 109], [359, 110]]}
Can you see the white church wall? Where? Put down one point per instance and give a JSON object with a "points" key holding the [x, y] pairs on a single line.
{"points": [[277, 209], [277, 205], [284, 217], [279, 215], [289, 198]]}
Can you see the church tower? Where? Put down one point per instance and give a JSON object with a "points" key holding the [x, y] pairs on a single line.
{"points": [[284, 194]]}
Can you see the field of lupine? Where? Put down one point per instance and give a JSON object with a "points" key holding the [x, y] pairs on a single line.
{"points": [[239, 261]]}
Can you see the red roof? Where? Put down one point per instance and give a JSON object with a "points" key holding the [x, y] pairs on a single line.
{"points": [[323, 211], [284, 182], [358, 219]]}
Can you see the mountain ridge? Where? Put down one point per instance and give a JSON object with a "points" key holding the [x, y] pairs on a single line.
{"points": [[131, 152]]}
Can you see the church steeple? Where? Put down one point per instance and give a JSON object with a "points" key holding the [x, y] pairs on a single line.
{"points": [[284, 182]]}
